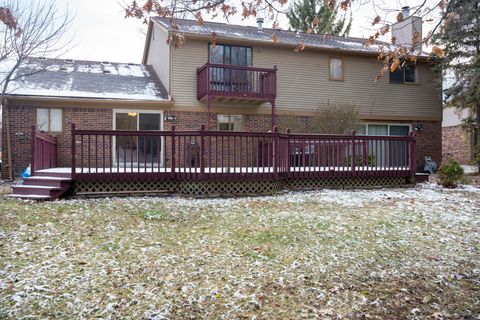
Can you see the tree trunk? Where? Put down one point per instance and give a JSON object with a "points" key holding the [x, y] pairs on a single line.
{"points": [[476, 137]]}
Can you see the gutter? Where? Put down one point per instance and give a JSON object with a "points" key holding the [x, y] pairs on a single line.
{"points": [[166, 102]]}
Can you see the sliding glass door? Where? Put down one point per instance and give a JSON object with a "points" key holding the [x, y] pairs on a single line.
{"points": [[138, 150]]}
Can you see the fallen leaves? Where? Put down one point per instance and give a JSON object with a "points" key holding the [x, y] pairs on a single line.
{"points": [[376, 254]]}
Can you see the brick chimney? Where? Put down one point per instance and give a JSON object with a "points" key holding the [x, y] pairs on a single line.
{"points": [[405, 31]]}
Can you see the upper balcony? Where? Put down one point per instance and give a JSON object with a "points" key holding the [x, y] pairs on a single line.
{"points": [[234, 83]]}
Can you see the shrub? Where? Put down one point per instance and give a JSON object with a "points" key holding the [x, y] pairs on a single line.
{"points": [[450, 174]]}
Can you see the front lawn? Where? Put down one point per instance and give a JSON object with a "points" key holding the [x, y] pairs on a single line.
{"points": [[370, 254]]}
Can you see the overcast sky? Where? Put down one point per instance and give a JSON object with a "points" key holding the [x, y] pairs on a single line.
{"points": [[100, 31]]}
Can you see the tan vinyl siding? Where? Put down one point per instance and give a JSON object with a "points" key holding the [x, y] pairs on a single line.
{"points": [[159, 54], [303, 82]]}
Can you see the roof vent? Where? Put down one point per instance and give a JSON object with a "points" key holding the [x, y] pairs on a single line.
{"points": [[63, 69], [68, 60], [106, 71], [105, 62], [260, 24], [406, 12], [131, 64], [297, 34], [42, 58]]}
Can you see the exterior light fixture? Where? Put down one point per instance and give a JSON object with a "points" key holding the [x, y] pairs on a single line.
{"points": [[170, 118], [419, 126]]}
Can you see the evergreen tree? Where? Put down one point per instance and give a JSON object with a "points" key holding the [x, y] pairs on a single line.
{"points": [[313, 16], [460, 37]]}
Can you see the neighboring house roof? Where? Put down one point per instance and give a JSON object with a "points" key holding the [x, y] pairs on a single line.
{"points": [[67, 78], [348, 44]]}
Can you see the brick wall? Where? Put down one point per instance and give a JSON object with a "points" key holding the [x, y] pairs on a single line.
{"points": [[22, 117], [456, 144], [429, 143]]}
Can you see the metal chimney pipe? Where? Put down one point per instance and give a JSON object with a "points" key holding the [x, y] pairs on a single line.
{"points": [[260, 24], [406, 11]]}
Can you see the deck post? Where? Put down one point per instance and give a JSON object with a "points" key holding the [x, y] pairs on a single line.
{"points": [[413, 155], [73, 150], [275, 150], [353, 153], [273, 113], [202, 151], [172, 164], [32, 164], [288, 152]]}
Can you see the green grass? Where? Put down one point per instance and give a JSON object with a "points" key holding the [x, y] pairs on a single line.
{"points": [[350, 254]]}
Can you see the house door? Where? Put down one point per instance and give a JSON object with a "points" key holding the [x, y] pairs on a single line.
{"points": [[138, 150]]}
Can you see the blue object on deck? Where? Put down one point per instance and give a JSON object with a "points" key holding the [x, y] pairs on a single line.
{"points": [[26, 172]]}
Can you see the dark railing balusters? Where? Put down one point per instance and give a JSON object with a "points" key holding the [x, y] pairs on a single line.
{"points": [[212, 155]]}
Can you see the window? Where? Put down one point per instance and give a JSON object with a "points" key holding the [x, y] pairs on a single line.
{"points": [[226, 54], [336, 69], [407, 74], [229, 122], [49, 119], [373, 129]]}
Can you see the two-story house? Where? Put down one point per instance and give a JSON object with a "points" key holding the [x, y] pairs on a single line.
{"points": [[242, 82]]}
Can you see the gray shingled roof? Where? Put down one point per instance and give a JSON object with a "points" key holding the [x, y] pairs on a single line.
{"points": [[286, 37], [87, 79]]}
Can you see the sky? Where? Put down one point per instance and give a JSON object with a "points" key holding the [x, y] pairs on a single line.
{"points": [[100, 31]]}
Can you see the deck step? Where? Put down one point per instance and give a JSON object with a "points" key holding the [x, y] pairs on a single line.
{"points": [[58, 182], [46, 187], [30, 197]]}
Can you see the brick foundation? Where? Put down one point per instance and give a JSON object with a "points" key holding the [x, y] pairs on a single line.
{"points": [[456, 144], [23, 117]]}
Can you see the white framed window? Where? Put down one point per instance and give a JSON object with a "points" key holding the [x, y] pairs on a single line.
{"points": [[336, 69], [384, 129], [229, 122], [407, 74], [49, 119]]}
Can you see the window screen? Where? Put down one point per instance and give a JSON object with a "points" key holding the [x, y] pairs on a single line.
{"points": [[229, 122], [336, 69], [49, 119]]}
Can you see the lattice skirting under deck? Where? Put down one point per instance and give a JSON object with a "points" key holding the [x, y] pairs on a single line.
{"points": [[345, 182], [229, 188]]}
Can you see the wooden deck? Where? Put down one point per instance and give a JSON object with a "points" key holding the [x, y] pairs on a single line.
{"points": [[224, 157]]}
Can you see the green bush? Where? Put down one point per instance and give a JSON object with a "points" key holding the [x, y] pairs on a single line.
{"points": [[450, 174]]}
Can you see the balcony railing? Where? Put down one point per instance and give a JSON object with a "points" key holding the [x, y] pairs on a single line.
{"points": [[236, 82]]}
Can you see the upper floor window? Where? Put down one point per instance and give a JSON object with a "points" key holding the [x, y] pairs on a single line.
{"points": [[336, 69], [407, 74], [230, 122], [228, 54], [50, 119]]}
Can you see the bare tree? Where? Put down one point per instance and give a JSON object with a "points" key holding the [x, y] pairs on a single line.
{"points": [[27, 28]]}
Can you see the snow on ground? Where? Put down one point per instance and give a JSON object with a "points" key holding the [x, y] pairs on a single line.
{"points": [[327, 254], [469, 169]]}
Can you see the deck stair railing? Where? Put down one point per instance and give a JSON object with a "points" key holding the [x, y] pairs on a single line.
{"points": [[223, 155], [44, 151]]}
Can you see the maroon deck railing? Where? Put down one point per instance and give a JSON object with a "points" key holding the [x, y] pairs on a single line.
{"points": [[232, 81], [220, 155], [44, 151]]}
